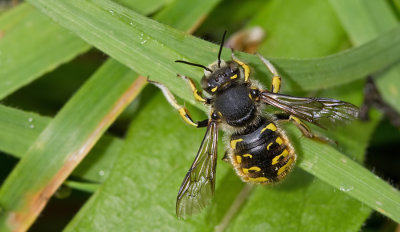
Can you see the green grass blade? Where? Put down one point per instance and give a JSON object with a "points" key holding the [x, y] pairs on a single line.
{"points": [[19, 129], [331, 166], [373, 19], [64, 143], [26, 52], [189, 21], [144, 7], [139, 43]]}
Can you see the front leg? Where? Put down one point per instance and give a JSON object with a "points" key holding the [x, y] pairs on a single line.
{"points": [[183, 112], [196, 93], [245, 67]]}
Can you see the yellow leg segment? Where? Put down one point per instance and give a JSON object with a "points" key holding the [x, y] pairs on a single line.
{"points": [[183, 112], [306, 131], [196, 93], [245, 67], [276, 79]]}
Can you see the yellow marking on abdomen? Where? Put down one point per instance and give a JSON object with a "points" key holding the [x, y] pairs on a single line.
{"points": [[279, 140], [234, 77], [248, 155], [284, 167], [238, 159], [214, 89], [258, 179], [269, 145], [234, 142], [276, 158], [270, 126], [254, 168]]}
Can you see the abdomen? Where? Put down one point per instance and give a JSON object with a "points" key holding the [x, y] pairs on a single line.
{"points": [[262, 156]]}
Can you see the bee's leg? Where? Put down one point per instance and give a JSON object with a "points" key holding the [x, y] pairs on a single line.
{"points": [[196, 93], [304, 129], [276, 79], [245, 67], [183, 112]]}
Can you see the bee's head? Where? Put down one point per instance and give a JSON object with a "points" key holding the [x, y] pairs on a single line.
{"points": [[219, 74]]}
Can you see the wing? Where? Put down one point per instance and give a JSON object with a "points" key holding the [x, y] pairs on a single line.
{"points": [[323, 112], [198, 186]]}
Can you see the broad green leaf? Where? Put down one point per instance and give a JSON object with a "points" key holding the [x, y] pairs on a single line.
{"points": [[142, 187], [26, 52], [301, 203], [64, 143], [373, 18], [127, 37]]}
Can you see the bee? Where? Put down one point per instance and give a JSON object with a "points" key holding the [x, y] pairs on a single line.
{"points": [[257, 147]]}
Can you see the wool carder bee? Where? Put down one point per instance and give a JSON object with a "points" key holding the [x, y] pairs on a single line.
{"points": [[257, 148]]}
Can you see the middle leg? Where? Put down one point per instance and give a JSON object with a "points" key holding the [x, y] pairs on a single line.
{"points": [[304, 129], [276, 79]]}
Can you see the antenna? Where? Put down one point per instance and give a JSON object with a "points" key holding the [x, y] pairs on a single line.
{"points": [[193, 64], [220, 50]]}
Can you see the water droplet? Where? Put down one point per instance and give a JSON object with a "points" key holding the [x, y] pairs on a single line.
{"points": [[111, 11], [32, 126], [30, 119], [346, 189], [143, 41], [131, 23], [101, 173], [378, 203]]}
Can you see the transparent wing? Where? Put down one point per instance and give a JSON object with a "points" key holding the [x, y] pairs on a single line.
{"points": [[198, 186], [323, 112]]}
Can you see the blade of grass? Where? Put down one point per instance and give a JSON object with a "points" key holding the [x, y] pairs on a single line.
{"points": [[64, 143], [373, 19], [144, 7], [331, 166], [139, 43], [19, 130], [22, 29]]}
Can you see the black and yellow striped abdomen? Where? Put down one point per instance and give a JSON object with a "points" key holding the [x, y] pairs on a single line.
{"points": [[263, 155]]}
